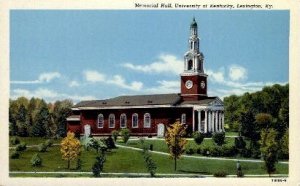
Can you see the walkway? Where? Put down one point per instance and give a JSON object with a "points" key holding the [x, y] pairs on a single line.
{"points": [[200, 157], [145, 174]]}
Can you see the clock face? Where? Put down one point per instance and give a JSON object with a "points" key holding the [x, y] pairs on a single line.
{"points": [[202, 84], [188, 84]]}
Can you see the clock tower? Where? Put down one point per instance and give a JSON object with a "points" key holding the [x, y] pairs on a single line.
{"points": [[193, 78]]}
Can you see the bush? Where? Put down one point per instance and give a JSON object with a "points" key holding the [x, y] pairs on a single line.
{"points": [[15, 155], [110, 143], [239, 142], [42, 147], [199, 151], [36, 160], [246, 153], [220, 174], [198, 137], [190, 151], [14, 141], [115, 134], [125, 133], [219, 138], [98, 165], [21, 147], [49, 142]]}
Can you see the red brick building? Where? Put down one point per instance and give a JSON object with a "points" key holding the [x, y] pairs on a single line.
{"points": [[148, 115]]}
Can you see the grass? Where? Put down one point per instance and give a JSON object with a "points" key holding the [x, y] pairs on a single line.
{"points": [[34, 140], [123, 160]]}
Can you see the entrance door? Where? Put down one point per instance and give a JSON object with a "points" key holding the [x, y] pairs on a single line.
{"points": [[87, 130], [160, 130]]}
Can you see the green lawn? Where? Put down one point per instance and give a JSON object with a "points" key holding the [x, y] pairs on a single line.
{"points": [[34, 140], [160, 145]]}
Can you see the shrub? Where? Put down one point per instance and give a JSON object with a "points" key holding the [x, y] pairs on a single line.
{"points": [[49, 142], [199, 151], [239, 142], [150, 164], [78, 164], [14, 140], [42, 147], [219, 138], [36, 160], [190, 151], [198, 137], [21, 147], [98, 165], [220, 174], [15, 155], [115, 134], [110, 143], [246, 153], [125, 133]]}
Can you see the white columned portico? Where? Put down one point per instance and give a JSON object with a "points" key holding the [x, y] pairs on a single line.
{"points": [[220, 121], [217, 121], [193, 120]]}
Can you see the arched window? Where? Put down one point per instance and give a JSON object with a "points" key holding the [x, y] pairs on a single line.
{"points": [[183, 119], [100, 121], [123, 121], [135, 120], [147, 120], [111, 121], [190, 65]]}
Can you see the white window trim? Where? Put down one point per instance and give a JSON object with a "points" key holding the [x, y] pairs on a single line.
{"points": [[102, 121], [137, 126], [111, 115], [145, 120], [125, 121], [182, 118]]}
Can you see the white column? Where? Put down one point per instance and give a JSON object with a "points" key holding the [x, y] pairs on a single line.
{"points": [[220, 122], [223, 129], [199, 120], [209, 121], [213, 121], [205, 122], [193, 120]]}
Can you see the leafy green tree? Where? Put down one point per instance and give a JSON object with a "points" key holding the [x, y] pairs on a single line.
{"points": [[284, 145], [22, 122], [98, 165], [175, 141], [263, 120], [269, 149], [150, 164], [61, 110], [41, 125]]}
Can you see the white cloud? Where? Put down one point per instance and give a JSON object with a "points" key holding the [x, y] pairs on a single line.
{"points": [[166, 64], [48, 95], [237, 73], [165, 86], [217, 76], [120, 81], [93, 76], [43, 78], [74, 84]]}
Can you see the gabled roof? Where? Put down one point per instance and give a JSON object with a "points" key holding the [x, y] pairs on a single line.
{"points": [[137, 100], [143, 100]]}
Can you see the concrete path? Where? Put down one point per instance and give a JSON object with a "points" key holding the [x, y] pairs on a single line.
{"points": [[145, 174], [200, 157]]}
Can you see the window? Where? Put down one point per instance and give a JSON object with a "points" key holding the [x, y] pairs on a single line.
{"points": [[111, 120], [123, 121], [135, 120], [100, 121], [190, 65], [147, 120], [183, 119]]}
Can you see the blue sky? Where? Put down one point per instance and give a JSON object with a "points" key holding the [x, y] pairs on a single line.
{"points": [[82, 55]]}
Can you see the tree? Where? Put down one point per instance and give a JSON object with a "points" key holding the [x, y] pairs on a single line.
{"points": [[61, 110], [264, 120], [269, 149], [98, 165], [175, 141], [21, 121], [41, 125], [70, 148], [284, 144], [125, 133]]}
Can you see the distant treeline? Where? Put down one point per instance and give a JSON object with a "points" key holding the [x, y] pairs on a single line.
{"points": [[35, 117]]}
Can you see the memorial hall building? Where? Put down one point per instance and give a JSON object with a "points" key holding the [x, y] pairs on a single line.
{"points": [[149, 115]]}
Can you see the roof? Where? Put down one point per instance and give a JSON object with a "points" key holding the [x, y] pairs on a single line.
{"points": [[141, 100], [194, 23]]}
